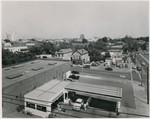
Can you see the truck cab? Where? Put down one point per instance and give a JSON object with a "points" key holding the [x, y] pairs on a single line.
{"points": [[78, 104]]}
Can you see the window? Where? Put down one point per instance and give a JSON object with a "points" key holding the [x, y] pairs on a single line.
{"points": [[41, 108], [79, 57], [31, 105]]}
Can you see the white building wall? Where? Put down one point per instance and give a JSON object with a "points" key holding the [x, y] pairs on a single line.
{"points": [[46, 55], [75, 56], [16, 49], [84, 57], [67, 56], [38, 112], [68, 73]]}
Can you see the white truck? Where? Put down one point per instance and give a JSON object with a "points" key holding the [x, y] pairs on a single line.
{"points": [[78, 104]]}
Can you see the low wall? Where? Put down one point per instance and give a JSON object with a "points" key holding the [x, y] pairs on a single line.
{"points": [[104, 73]]}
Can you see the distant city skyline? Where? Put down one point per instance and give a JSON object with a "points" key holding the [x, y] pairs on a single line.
{"points": [[70, 19]]}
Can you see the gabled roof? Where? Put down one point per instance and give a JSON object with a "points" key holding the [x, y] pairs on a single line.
{"points": [[65, 50], [81, 51]]}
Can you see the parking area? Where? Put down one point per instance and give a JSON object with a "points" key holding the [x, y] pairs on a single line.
{"points": [[102, 66], [11, 113]]}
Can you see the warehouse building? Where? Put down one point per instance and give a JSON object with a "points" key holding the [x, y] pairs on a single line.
{"points": [[42, 100], [20, 79]]}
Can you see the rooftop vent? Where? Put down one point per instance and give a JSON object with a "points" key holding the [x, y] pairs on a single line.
{"points": [[34, 62], [7, 69], [12, 76], [52, 63], [37, 68], [17, 66], [26, 72]]}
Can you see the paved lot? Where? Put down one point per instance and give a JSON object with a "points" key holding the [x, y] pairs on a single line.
{"points": [[103, 73], [11, 113], [117, 69], [136, 76]]}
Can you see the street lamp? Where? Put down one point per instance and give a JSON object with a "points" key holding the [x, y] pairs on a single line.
{"points": [[142, 64]]}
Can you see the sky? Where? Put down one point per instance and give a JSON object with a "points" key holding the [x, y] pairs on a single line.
{"points": [[70, 19]]}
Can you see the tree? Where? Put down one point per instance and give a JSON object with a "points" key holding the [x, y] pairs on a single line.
{"points": [[63, 45], [7, 40], [10, 58], [47, 48], [84, 40], [143, 46], [105, 39], [107, 55], [95, 49]]}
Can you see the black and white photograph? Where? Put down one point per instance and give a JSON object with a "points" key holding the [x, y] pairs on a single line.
{"points": [[74, 59]]}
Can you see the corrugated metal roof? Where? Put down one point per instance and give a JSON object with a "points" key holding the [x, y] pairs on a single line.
{"points": [[47, 92], [15, 75], [65, 51], [95, 89]]}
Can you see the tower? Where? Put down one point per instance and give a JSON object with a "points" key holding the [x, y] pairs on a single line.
{"points": [[11, 36], [82, 36]]}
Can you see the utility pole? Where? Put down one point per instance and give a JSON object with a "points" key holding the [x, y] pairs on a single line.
{"points": [[147, 85]]}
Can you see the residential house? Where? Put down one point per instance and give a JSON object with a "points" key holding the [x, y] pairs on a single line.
{"points": [[44, 56], [17, 47], [65, 54], [115, 50], [80, 56]]}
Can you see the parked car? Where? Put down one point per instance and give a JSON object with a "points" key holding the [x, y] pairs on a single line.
{"points": [[101, 61], [138, 68], [78, 104], [134, 67], [109, 68], [94, 64], [86, 66], [143, 63], [20, 108], [98, 62], [126, 65], [74, 77], [74, 72], [69, 79]]}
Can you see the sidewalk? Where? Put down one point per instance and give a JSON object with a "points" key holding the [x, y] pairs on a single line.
{"points": [[142, 108]]}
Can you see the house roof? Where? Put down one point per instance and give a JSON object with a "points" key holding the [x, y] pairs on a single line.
{"points": [[65, 50], [81, 51]]}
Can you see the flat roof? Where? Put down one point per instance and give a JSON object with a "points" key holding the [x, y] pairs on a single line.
{"points": [[28, 70], [47, 92], [95, 89]]}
